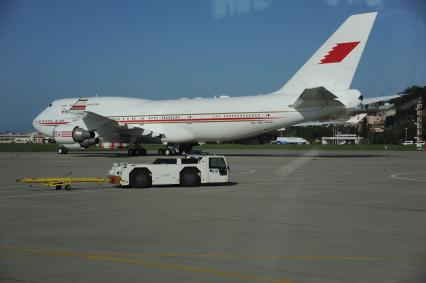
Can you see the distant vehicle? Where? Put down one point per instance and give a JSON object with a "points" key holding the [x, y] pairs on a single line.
{"points": [[291, 140], [408, 143], [190, 171]]}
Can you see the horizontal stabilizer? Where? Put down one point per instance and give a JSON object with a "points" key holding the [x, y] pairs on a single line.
{"points": [[315, 98], [356, 119]]}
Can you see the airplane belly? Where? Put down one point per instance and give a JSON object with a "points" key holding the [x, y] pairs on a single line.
{"points": [[223, 131]]}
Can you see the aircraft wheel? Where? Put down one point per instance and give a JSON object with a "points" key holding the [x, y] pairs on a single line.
{"points": [[130, 152], [62, 150], [67, 187], [167, 152], [58, 187]]}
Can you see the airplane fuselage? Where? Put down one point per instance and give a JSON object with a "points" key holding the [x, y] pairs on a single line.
{"points": [[186, 120]]}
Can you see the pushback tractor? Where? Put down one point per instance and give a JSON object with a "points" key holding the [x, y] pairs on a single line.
{"points": [[189, 171]]}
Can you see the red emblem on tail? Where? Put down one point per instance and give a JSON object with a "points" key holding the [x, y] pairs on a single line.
{"points": [[339, 52]]}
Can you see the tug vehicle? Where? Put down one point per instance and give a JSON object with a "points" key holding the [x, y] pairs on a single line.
{"points": [[189, 171]]}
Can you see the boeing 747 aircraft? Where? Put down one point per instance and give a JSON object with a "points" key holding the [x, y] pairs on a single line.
{"points": [[319, 89]]}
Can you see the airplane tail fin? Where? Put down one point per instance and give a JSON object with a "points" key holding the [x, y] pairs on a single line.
{"points": [[334, 64]]}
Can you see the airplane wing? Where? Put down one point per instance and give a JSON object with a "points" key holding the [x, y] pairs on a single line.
{"points": [[367, 101], [108, 128], [318, 123], [353, 120]]}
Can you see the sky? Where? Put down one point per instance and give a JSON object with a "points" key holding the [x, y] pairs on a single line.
{"points": [[51, 49]]}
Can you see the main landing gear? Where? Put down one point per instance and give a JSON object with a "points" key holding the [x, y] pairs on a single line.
{"points": [[136, 150], [180, 149], [62, 150]]}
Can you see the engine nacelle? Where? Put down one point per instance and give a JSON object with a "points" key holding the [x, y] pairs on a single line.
{"points": [[88, 142], [70, 134], [79, 135]]}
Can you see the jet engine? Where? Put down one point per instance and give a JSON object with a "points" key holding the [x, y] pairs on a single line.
{"points": [[70, 134]]}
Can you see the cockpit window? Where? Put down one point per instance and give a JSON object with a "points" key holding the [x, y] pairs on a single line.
{"points": [[50, 105]]}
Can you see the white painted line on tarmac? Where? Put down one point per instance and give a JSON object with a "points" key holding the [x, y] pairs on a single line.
{"points": [[398, 176], [247, 172]]}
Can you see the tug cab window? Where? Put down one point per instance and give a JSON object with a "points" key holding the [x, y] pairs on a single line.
{"points": [[218, 163], [165, 161]]}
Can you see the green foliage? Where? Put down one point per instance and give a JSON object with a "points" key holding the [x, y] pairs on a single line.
{"points": [[404, 118]]}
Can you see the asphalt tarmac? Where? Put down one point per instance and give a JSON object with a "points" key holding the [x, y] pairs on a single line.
{"points": [[287, 216]]}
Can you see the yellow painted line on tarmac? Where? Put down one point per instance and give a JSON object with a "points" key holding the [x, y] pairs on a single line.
{"points": [[146, 263], [266, 257], [228, 256], [324, 258]]}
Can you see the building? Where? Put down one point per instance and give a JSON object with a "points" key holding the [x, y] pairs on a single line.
{"points": [[35, 137], [342, 139], [377, 115]]}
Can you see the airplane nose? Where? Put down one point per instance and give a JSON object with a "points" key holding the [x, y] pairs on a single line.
{"points": [[35, 123]]}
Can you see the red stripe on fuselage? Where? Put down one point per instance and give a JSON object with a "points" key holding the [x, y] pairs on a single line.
{"points": [[198, 120], [188, 120], [53, 123]]}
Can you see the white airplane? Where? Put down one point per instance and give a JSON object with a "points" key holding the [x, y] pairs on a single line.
{"points": [[319, 89]]}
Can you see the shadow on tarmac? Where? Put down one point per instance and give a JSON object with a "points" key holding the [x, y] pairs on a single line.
{"points": [[314, 153], [306, 154], [322, 154], [229, 184]]}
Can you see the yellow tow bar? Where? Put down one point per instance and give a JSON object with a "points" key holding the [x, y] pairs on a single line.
{"points": [[59, 182]]}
